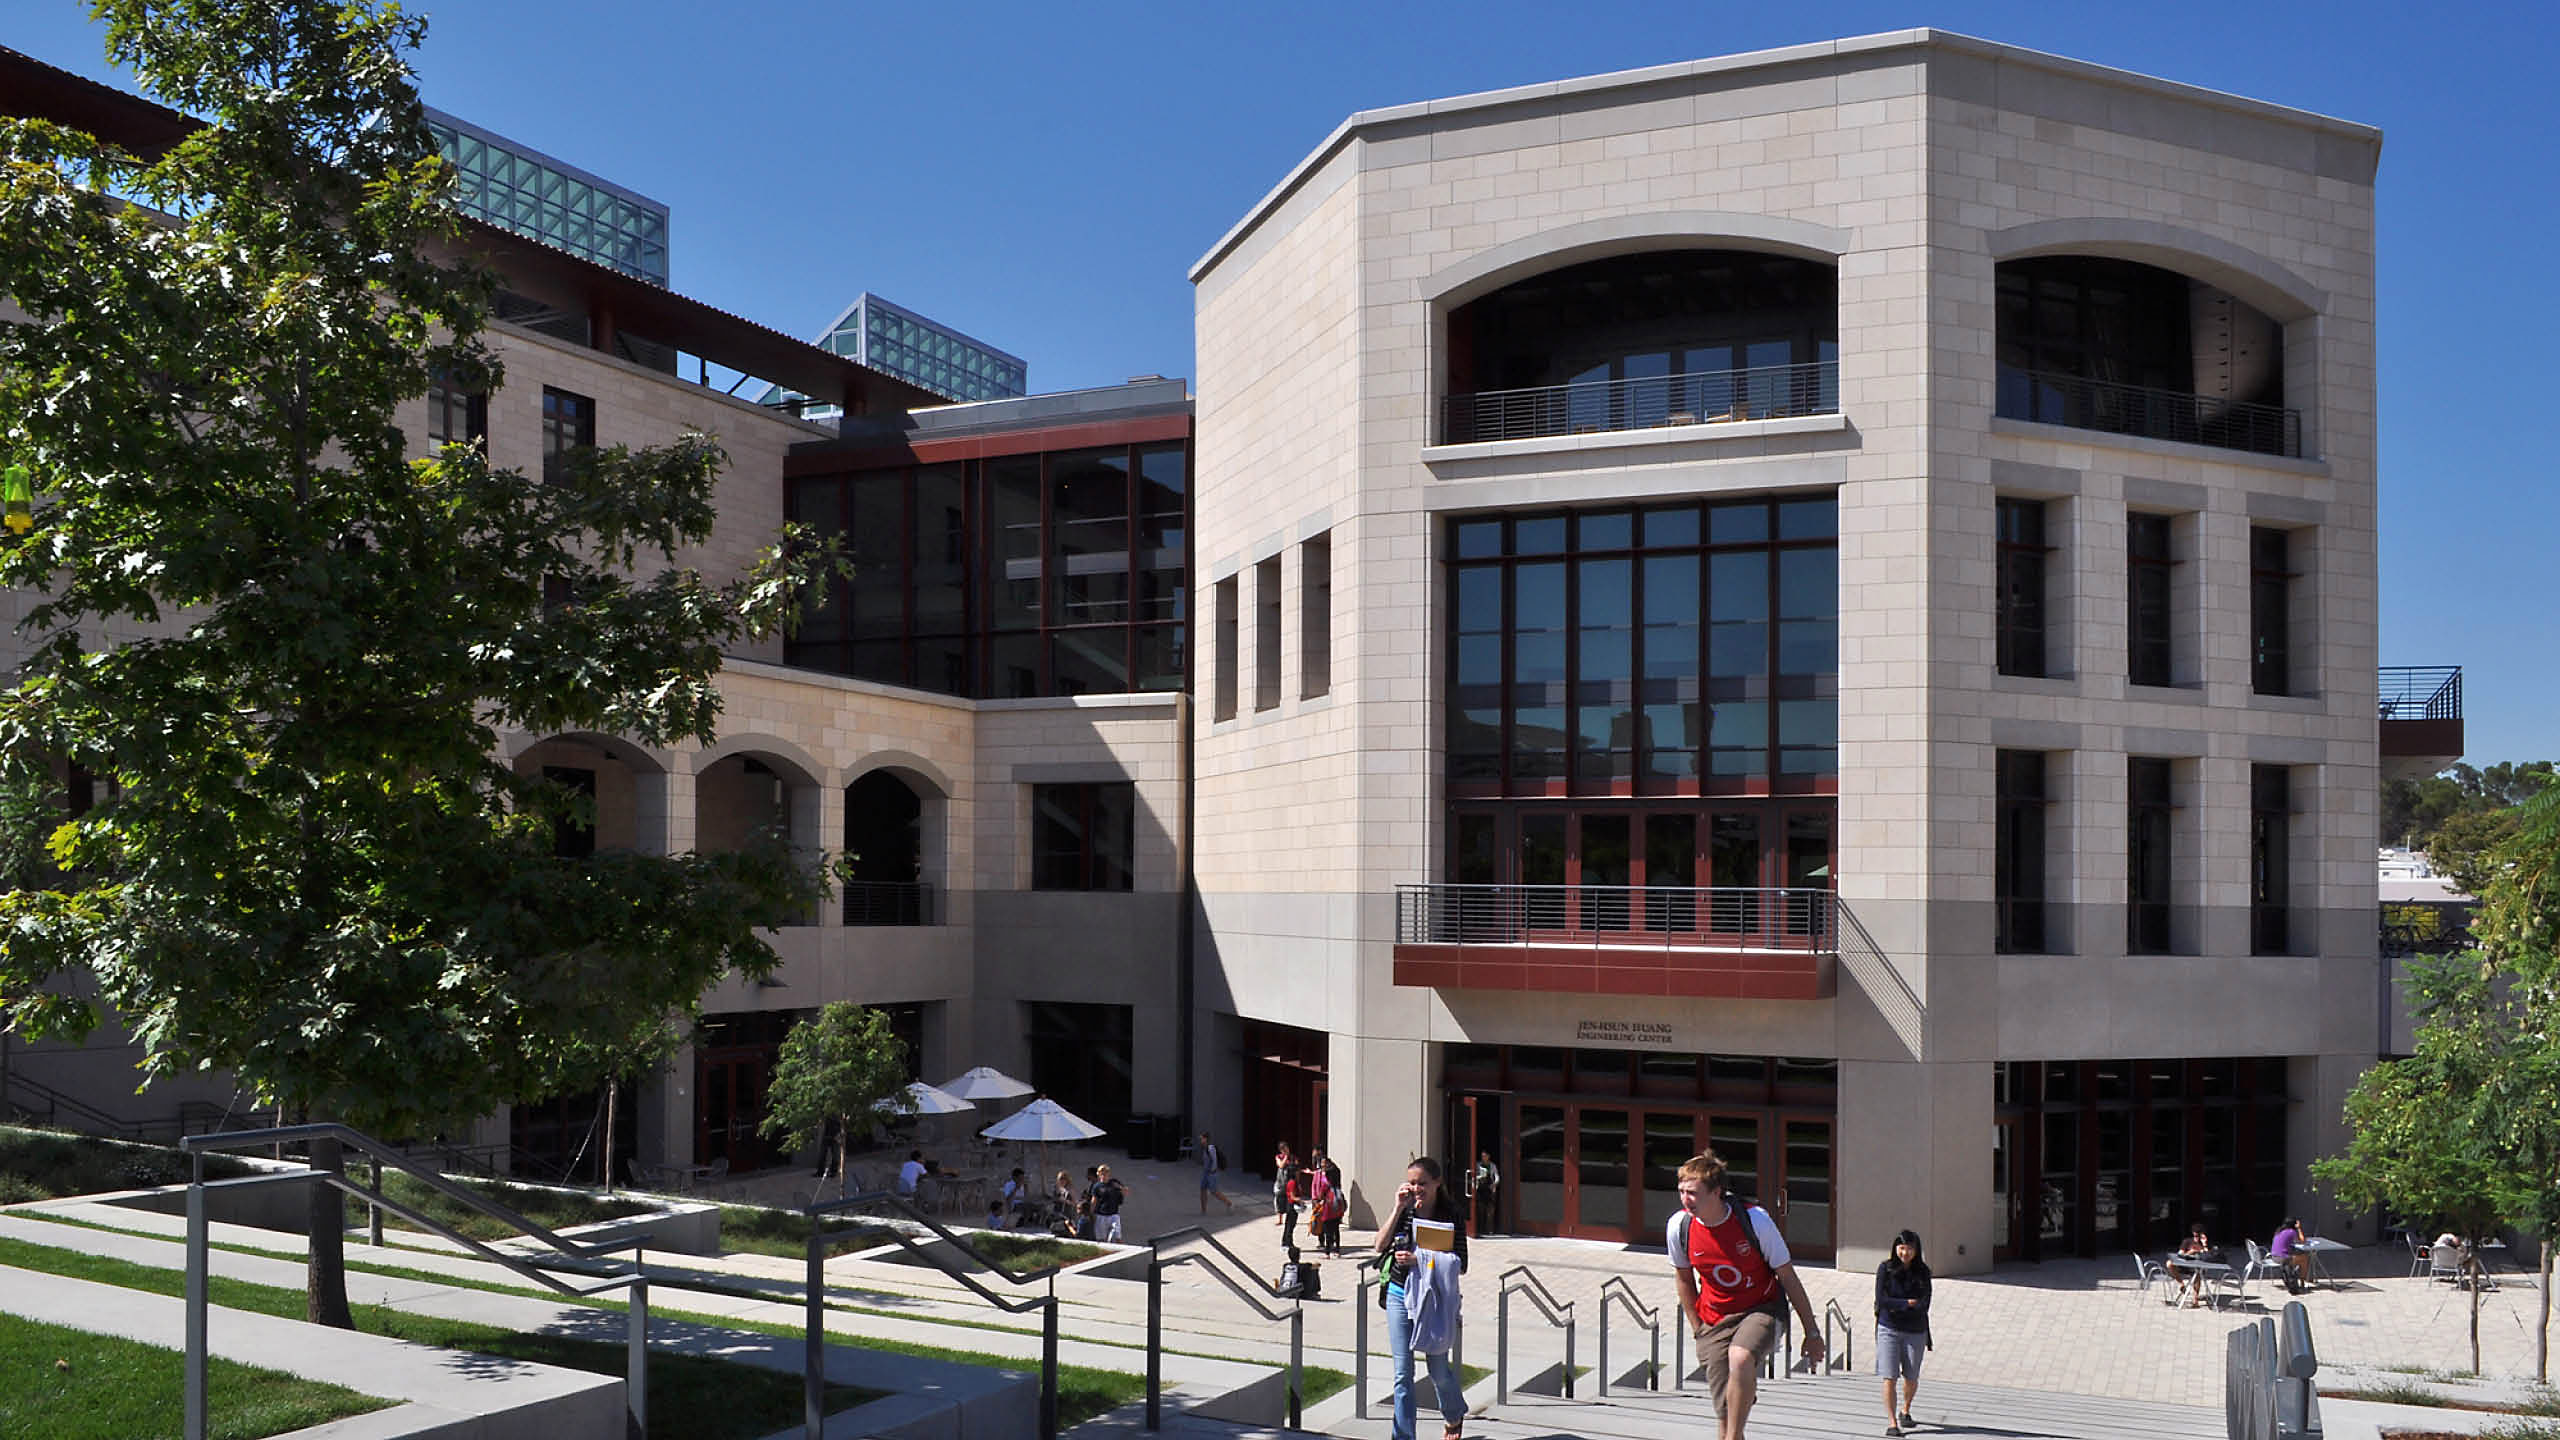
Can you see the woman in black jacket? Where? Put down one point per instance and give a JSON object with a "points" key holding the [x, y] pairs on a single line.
{"points": [[1902, 1326]]}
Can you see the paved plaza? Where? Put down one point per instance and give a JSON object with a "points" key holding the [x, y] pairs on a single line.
{"points": [[2074, 1326], [2062, 1349]]}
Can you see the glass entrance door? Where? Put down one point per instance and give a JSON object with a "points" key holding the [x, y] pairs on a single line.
{"points": [[1600, 1206]]}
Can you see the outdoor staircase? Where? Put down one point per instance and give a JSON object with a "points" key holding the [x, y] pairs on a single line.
{"points": [[1822, 1408]]}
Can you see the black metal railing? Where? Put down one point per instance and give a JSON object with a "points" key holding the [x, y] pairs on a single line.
{"points": [[2421, 692], [2050, 398], [889, 902], [2427, 927], [328, 1144], [1762, 392], [813, 1363], [1243, 1289], [1673, 917]]}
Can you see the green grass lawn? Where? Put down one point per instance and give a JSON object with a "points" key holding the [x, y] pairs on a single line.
{"points": [[688, 1394], [66, 1384], [50, 1164], [759, 1230], [552, 1209], [1020, 1253]]}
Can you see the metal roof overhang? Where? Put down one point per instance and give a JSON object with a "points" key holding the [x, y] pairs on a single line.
{"points": [[32, 89]]}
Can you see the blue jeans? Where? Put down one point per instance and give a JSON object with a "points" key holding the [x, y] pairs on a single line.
{"points": [[1444, 1373]]}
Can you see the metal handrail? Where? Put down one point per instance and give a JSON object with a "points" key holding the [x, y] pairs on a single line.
{"points": [[1617, 1291], [1296, 1315], [813, 1364], [2051, 398], [1839, 1356], [1877, 975], [1520, 1280], [1619, 916], [1373, 1271], [888, 902], [199, 1245], [1759, 392], [2420, 692]]}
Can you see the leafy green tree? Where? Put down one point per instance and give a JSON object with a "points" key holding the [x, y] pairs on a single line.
{"points": [[2519, 932], [2413, 811], [842, 1065], [2424, 1140], [285, 649]]}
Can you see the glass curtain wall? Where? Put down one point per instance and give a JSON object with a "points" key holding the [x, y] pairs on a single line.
{"points": [[1020, 575]]}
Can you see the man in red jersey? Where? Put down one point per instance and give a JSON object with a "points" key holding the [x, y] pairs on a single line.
{"points": [[1735, 1279]]}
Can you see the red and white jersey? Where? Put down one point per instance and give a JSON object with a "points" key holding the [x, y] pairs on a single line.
{"points": [[1735, 1262]]}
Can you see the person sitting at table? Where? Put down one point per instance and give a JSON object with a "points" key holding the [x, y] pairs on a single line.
{"points": [[912, 1173], [2198, 1248], [1017, 1194], [2292, 1249]]}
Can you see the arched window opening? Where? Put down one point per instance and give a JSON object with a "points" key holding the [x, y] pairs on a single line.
{"points": [[1631, 342], [2132, 349], [883, 871]]}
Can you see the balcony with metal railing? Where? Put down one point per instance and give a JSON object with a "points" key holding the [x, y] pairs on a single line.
{"points": [[1767, 944], [1765, 392], [2420, 714], [885, 902], [2048, 398]]}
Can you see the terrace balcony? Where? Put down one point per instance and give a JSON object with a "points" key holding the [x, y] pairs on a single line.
{"points": [[2421, 719], [2048, 398], [1764, 392], [1758, 944]]}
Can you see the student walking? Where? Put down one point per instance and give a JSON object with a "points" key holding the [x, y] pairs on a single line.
{"points": [[1902, 1326], [1211, 1162], [1735, 1278], [1108, 1196], [1421, 1298]]}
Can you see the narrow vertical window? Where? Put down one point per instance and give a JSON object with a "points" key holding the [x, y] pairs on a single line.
{"points": [[2270, 611], [455, 416], [2147, 855], [568, 425], [1315, 617], [2022, 587], [2270, 859], [2018, 852], [2148, 593], [1266, 634], [1223, 702]]}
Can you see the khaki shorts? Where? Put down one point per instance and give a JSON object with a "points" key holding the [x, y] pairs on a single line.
{"points": [[1755, 1330]]}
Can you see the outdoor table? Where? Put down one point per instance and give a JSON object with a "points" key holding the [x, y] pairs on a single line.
{"points": [[2320, 1245], [2196, 1264]]}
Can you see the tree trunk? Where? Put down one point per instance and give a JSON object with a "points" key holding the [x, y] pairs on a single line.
{"points": [[324, 1281], [2471, 1267], [612, 1092], [2542, 1321], [844, 1161]]}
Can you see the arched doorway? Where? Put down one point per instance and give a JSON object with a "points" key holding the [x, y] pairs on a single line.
{"points": [[883, 874]]}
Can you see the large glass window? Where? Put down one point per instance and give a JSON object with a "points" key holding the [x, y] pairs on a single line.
{"points": [[2022, 552], [1230, 635], [1014, 575], [1083, 836], [2149, 592], [2018, 851], [1683, 650], [1315, 617]]}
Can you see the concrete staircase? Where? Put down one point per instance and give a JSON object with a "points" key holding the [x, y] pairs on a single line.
{"points": [[1823, 1408]]}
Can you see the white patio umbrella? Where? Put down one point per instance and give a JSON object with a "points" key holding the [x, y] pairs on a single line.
{"points": [[984, 1083], [1042, 1121], [923, 1099]]}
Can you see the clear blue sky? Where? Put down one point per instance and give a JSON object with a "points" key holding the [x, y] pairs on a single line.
{"points": [[1041, 176]]}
